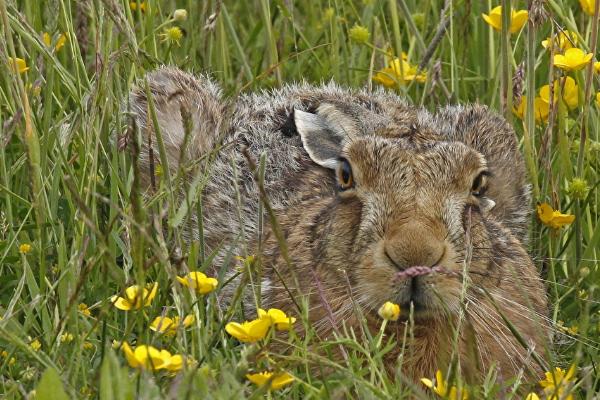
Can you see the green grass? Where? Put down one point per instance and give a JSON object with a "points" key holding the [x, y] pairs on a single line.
{"points": [[67, 190]]}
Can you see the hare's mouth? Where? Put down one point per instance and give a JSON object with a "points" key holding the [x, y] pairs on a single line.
{"points": [[415, 294], [413, 297]]}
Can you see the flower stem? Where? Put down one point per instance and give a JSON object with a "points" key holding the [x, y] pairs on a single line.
{"points": [[381, 333]]}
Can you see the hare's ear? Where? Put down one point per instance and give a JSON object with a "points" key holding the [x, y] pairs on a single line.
{"points": [[488, 133], [184, 105], [323, 133]]}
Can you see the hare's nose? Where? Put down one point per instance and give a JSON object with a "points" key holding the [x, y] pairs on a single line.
{"points": [[414, 245]]}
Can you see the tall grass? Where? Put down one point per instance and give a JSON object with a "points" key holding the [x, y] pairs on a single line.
{"points": [[68, 190]]}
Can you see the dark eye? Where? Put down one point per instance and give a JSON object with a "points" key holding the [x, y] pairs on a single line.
{"points": [[479, 186], [344, 174]]}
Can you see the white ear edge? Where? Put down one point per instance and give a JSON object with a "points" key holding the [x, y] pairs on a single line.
{"points": [[306, 122], [317, 138]]}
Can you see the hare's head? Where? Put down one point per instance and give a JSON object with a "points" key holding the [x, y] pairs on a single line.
{"points": [[404, 201]]}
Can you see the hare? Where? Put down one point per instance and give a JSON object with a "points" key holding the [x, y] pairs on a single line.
{"points": [[366, 188]]}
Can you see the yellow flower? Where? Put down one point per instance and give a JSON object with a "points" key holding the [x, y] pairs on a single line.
{"points": [[169, 326], [172, 35], [359, 34], [88, 345], [588, 6], [135, 297], [66, 337], [557, 382], [24, 248], [553, 218], [18, 65], [532, 396], [598, 99], [277, 380], [35, 345], [255, 330], [199, 282], [573, 60], [519, 111], [573, 330], [250, 331], [399, 71], [278, 318], [389, 311], [558, 376], [441, 388], [541, 109], [562, 41], [597, 67], [4, 355], [83, 308], [517, 19], [175, 363], [150, 358], [60, 42], [570, 92], [133, 5]]}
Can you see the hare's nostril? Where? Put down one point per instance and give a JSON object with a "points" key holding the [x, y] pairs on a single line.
{"points": [[391, 260], [405, 254]]}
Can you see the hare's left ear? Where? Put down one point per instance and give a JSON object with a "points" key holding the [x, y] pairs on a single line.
{"points": [[324, 133]]}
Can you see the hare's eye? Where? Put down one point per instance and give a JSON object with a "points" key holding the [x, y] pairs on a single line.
{"points": [[480, 184], [344, 174]]}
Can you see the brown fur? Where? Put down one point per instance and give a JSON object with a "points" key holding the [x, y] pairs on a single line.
{"points": [[411, 204]]}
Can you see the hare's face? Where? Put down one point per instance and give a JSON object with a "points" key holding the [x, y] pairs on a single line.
{"points": [[412, 221], [418, 207], [401, 205]]}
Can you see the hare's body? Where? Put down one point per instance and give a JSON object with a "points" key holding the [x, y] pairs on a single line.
{"points": [[364, 187]]}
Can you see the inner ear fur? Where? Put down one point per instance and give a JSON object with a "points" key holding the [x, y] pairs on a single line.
{"points": [[488, 133], [324, 133]]}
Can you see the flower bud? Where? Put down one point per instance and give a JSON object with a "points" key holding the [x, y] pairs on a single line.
{"points": [[584, 272], [389, 311], [578, 188], [359, 34], [180, 15]]}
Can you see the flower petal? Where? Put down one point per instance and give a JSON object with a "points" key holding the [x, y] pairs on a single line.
{"points": [[162, 324], [427, 382], [238, 331], [545, 212], [129, 355], [182, 280], [518, 19], [120, 303], [281, 380], [175, 363], [148, 297]]}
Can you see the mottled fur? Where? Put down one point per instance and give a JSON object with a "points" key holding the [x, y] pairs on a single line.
{"points": [[411, 205]]}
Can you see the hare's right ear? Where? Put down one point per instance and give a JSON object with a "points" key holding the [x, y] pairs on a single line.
{"points": [[184, 105], [324, 133]]}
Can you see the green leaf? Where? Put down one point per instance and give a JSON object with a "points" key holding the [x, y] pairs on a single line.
{"points": [[50, 387], [114, 380]]}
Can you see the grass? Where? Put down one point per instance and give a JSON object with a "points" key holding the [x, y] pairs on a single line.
{"points": [[69, 192]]}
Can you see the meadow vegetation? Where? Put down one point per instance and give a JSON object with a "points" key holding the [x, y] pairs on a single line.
{"points": [[99, 295]]}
